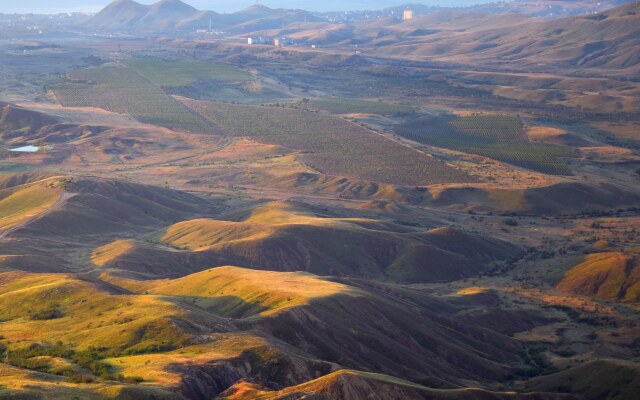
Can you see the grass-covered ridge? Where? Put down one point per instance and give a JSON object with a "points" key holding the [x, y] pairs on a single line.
{"points": [[359, 384], [47, 308], [613, 276], [238, 292], [286, 236]]}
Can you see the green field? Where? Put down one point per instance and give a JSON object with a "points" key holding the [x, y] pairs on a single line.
{"points": [[339, 105], [183, 73], [120, 89], [332, 145], [495, 136]]}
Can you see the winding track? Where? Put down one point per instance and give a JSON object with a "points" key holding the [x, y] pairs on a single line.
{"points": [[59, 203]]}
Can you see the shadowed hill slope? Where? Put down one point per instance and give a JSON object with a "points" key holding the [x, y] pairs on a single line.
{"points": [[67, 217], [348, 384], [604, 41], [602, 379], [108, 225], [346, 323], [201, 334], [20, 121], [285, 237], [11, 180], [557, 199]]}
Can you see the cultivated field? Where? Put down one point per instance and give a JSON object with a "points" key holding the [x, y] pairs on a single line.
{"points": [[182, 73], [332, 145], [495, 136], [122, 90], [339, 105]]}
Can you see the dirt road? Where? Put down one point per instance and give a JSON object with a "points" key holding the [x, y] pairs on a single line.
{"points": [[59, 203]]}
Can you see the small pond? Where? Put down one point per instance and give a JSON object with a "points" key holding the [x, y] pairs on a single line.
{"points": [[26, 149]]}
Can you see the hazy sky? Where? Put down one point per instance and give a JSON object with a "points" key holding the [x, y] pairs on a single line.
{"points": [[58, 6]]}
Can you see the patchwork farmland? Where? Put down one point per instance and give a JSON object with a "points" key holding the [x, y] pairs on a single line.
{"points": [[494, 136], [120, 89], [332, 145]]}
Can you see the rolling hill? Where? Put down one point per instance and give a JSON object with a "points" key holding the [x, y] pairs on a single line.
{"points": [[199, 335], [556, 199], [443, 207], [605, 41], [290, 237], [325, 319], [152, 232], [53, 221], [16, 121], [610, 379], [351, 384], [605, 276]]}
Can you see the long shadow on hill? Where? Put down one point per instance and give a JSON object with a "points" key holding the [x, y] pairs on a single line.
{"points": [[291, 237], [99, 210], [374, 327], [300, 327], [369, 333], [557, 199]]}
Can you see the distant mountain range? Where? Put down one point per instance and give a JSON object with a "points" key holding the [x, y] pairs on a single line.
{"points": [[62, 6], [175, 15], [172, 15]]}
